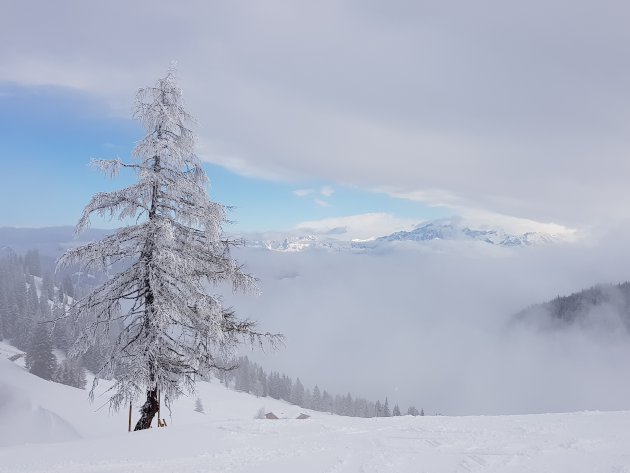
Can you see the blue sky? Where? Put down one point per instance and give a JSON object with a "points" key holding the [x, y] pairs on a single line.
{"points": [[49, 134]]}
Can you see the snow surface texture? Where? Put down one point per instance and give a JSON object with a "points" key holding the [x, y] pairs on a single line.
{"points": [[227, 438]]}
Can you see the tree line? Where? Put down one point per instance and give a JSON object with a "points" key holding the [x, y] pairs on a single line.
{"points": [[33, 301], [251, 378]]}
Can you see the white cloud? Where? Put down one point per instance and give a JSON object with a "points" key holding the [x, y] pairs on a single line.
{"points": [[361, 227], [327, 191], [321, 203], [303, 192], [479, 216]]}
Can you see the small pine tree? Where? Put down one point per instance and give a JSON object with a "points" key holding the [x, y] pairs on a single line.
{"points": [[316, 402], [297, 394], [396, 411], [199, 406], [386, 411]]}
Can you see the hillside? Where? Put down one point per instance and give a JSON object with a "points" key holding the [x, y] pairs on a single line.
{"points": [[55, 430], [603, 306]]}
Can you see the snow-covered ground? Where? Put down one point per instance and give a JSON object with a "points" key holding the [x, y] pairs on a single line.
{"points": [[48, 427]]}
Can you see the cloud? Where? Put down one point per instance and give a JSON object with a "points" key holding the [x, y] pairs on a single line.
{"points": [[327, 191], [362, 227], [506, 107], [303, 192]]}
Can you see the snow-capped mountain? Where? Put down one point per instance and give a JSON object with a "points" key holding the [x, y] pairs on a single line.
{"points": [[454, 229], [291, 243]]}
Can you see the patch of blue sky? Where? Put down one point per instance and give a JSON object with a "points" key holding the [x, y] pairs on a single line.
{"points": [[47, 137]]}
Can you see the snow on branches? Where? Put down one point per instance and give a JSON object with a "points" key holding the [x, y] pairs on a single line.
{"points": [[170, 327]]}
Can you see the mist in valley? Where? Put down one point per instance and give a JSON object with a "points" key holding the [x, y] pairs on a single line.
{"points": [[434, 325]]}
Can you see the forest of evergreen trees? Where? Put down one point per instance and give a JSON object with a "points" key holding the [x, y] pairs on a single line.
{"points": [[251, 378], [31, 297]]}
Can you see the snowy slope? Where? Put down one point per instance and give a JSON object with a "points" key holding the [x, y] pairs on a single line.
{"points": [[227, 438]]}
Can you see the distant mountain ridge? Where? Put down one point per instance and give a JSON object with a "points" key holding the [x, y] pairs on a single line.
{"points": [[445, 230], [54, 241], [455, 230]]}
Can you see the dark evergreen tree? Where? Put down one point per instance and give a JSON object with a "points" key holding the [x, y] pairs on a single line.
{"points": [[70, 372], [297, 393], [48, 286], [25, 320], [67, 286], [40, 359], [316, 403], [32, 264], [386, 411]]}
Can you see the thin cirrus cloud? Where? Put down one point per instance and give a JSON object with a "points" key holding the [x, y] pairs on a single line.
{"points": [[319, 195], [514, 108]]}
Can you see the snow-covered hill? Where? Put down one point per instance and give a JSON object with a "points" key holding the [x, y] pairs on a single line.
{"points": [[48, 427]]}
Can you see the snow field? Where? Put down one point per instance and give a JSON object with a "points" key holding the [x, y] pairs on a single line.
{"points": [[52, 428]]}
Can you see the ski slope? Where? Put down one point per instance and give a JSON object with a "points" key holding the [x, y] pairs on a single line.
{"points": [[48, 427]]}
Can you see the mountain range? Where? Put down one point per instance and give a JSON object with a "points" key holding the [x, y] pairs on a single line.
{"points": [[453, 229], [54, 240]]}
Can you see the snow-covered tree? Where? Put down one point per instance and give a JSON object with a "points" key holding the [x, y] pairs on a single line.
{"points": [[199, 406], [260, 414], [173, 329]]}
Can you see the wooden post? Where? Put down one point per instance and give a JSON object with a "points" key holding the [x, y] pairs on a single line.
{"points": [[129, 427], [159, 405]]}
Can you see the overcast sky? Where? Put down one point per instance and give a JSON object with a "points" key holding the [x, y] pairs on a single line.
{"points": [[480, 108]]}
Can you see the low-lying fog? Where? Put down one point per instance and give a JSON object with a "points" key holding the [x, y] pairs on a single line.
{"points": [[431, 327]]}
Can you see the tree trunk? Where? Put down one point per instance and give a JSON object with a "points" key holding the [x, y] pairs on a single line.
{"points": [[148, 410], [152, 404]]}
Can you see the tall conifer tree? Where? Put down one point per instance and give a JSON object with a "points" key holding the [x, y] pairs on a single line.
{"points": [[173, 328]]}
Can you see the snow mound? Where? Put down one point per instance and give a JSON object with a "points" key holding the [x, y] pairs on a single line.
{"points": [[24, 420]]}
